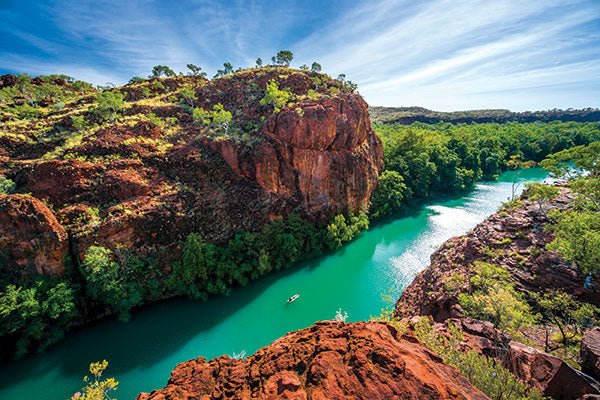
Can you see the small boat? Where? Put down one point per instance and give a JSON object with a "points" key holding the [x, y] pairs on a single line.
{"points": [[293, 298]]}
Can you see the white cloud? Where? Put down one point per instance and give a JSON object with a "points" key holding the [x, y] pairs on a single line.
{"points": [[444, 54]]}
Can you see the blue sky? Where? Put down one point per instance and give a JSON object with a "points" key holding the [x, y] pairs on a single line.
{"points": [[444, 55]]}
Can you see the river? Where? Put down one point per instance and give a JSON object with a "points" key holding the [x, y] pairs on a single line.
{"points": [[143, 351]]}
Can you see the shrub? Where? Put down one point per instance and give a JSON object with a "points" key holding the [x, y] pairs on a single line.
{"points": [[276, 97], [97, 388], [78, 122], [217, 118], [108, 104], [7, 186], [483, 372], [495, 299]]}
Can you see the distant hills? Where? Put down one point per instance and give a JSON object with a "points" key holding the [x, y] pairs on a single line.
{"points": [[408, 115]]}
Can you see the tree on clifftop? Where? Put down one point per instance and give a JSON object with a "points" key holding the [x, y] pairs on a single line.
{"points": [[160, 70], [283, 57], [196, 70]]}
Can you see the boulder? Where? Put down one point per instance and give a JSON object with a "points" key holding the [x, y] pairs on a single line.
{"points": [[554, 377], [326, 361], [589, 354]]}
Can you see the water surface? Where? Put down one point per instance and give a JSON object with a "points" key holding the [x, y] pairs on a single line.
{"points": [[143, 351]]}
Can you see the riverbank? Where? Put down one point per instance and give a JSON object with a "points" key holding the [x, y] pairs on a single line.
{"points": [[143, 351]]}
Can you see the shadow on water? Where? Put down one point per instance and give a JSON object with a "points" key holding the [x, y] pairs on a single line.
{"points": [[123, 342]]}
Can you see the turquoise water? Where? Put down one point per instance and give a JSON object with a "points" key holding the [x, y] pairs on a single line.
{"points": [[143, 351]]}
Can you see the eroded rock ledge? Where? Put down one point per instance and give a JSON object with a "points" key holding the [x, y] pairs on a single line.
{"points": [[516, 240], [326, 361]]}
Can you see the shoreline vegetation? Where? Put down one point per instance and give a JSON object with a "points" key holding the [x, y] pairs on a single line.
{"points": [[421, 161]]}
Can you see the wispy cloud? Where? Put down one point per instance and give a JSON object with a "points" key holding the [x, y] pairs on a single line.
{"points": [[444, 54]]}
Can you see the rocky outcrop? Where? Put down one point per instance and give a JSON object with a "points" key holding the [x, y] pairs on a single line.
{"points": [[31, 238], [326, 361], [145, 186], [514, 239], [327, 154], [589, 355], [550, 374]]}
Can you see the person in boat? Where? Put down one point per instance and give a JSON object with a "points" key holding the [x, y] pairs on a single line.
{"points": [[293, 298]]}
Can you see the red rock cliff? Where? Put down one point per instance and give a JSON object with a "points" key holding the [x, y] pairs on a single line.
{"points": [[326, 361], [145, 186]]}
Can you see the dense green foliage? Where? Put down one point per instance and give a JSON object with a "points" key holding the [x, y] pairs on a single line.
{"points": [[7, 186], [278, 98], [119, 281], [107, 105], [389, 196], [577, 230], [283, 57], [445, 158], [494, 298], [207, 269], [35, 314]]}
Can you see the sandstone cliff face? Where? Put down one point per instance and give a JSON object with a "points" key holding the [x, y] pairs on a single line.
{"points": [[326, 361], [145, 186], [31, 239], [327, 154]]}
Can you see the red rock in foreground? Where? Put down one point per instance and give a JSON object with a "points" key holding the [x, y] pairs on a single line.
{"points": [[326, 361]]}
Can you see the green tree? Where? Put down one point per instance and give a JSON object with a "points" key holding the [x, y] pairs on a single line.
{"points": [[342, 230], [196, 70], [541, 194], [316, 67], [106, 282], [190, 277], [577, 239], [160, 70], [36, 315], [389, 195], [108, 104], [284, 57], [188, 98], [259, 62], [562, 310]]}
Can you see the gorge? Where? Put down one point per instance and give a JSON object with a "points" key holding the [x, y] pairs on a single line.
{"points": [[143, 351]]}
